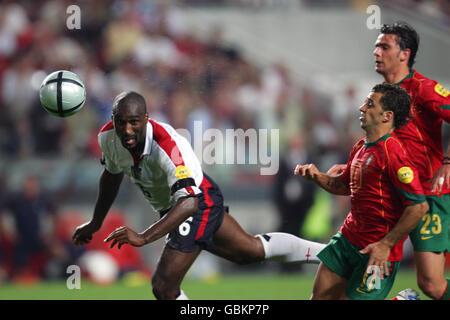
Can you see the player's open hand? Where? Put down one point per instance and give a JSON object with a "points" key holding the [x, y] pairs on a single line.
{"points": [[83, 234], [378, 261], [441, 177], [308, 171], [124, 235]]}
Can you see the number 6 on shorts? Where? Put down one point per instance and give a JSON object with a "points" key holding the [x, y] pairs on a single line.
{"points": [[185, 227]]}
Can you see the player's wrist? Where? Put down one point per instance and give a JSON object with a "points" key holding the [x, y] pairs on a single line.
{"points": [[96, 224], [387, 242], [145, 236], [446, 160]]}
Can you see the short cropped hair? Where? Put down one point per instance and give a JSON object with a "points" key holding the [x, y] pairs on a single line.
{"points": [[129, 97], [407, 38], [394, 99]]}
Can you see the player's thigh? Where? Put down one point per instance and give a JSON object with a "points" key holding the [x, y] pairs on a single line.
{"points": [[429, 265], [328, 284], [172, 267], [432, 232], [233, 243], [369, 286]]}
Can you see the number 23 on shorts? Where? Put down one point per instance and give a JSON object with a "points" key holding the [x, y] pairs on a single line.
{"points": [[432, 225]]}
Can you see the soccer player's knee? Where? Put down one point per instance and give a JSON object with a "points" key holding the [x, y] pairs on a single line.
{"points": [[429, 287], [163, 290]]}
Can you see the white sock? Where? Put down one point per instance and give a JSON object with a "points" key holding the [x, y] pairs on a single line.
{"points": [[285, 247], [182, 296]]}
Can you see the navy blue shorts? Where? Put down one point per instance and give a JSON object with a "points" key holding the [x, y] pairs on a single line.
{"points": [[199, 229]]}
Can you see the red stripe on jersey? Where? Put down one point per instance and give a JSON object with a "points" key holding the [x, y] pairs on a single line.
{"points": [[208, 200], [107, 127], [189, 189], [165, 141]]}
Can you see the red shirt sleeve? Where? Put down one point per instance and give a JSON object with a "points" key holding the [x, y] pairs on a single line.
{"points": [[435, 98], [403, 174]]}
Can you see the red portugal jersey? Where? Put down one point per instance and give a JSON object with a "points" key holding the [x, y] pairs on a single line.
{"points": [[422, 136], [383, 181]]}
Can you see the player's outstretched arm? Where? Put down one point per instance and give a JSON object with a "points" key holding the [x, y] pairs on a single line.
{"points": [[379, 251], [108, 188], [331, 183], [184, 208]]}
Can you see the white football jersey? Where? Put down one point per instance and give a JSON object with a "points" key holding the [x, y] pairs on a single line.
{"points": [[167, 170]]}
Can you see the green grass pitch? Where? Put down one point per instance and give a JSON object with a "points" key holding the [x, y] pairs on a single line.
{"points": [[227, 287]]}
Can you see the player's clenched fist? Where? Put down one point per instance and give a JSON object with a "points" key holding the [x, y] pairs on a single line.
{"points": [[308, 171]]}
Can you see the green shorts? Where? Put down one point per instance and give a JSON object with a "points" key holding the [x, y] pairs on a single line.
{"points": [[432, 234], [343, 258]]}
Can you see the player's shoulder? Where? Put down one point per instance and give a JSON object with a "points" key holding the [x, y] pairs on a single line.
{"points": [[105, 135], [359, 144], [163, 132], [392, 144], [426, 82], [419, 76], [107, 127], [430, 87]]}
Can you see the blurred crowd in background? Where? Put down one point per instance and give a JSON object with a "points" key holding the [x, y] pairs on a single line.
{"points": [[144, 46], [438, 10]]}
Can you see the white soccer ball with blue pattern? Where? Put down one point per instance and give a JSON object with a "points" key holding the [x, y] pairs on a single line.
{"points": [[62, 93]]}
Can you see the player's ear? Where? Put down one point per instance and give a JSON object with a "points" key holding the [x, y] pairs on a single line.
{"points": [[404, 55], [388, 116]]}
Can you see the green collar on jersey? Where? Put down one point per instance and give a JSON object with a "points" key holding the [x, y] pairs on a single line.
{"points": [[371, 144], [410, 75]]}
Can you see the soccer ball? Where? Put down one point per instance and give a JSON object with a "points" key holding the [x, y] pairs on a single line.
{"points": [[62, 93]]}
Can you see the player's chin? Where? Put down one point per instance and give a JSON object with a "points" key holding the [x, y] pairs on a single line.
{"points": [[379, 69], [130, 145]]}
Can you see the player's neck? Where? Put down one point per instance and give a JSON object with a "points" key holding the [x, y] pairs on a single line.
{"points": [[397, 75], [138, 150], [374, 134]]}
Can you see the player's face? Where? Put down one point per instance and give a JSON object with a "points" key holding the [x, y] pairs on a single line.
{"points": [[131, 126], [371, 111], [388, 55]]}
